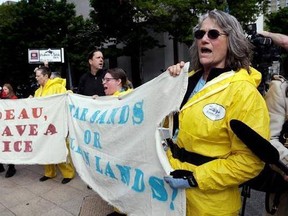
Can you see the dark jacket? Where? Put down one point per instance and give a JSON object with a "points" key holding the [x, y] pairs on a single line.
{"points": [[91, 85]]}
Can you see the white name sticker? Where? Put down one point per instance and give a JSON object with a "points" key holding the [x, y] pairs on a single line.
{"points": [[214, 111]]}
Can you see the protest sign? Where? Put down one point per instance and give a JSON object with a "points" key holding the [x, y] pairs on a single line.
{"points": [[114, 141], [113, 146], [33, 130]]}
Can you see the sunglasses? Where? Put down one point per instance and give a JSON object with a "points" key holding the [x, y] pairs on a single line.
{"points": [[212, 34]]}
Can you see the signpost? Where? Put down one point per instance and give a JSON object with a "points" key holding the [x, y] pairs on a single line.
{"points": [[36, 56]]}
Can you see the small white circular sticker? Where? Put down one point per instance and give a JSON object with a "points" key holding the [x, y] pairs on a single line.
{"points": [[214, 111]]}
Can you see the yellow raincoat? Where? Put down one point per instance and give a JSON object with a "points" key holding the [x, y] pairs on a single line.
{"points": [[52, 86], [56, 86], [204, 129], [121, 93]]}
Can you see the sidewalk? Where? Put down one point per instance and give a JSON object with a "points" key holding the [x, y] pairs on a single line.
{"points": [[24, 195]]}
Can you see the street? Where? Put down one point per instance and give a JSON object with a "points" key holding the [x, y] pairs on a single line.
{"points": [[255, 205]]}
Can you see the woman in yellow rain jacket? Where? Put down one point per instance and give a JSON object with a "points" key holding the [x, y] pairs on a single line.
{"points": [[210, 161], [116, 83], [50, 87]]}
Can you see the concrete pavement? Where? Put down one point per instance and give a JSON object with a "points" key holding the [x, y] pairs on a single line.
{"points": [[255, 205], [24, 195]]}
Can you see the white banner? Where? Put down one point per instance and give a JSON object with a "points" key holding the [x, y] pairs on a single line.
{"points": [[33, 130], [114, 142], [113, 146]]}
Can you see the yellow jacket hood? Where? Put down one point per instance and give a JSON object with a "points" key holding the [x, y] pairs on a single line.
{"points": [[254, 77], [52, 86]]}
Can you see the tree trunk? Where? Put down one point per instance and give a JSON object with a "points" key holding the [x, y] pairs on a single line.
{"points": [[136, 71], [175, 50]]}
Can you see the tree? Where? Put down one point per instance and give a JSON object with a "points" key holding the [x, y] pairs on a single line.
{"points": [[37, 24], [130, 21], [278, 22], [126, 24], [247, 11], [180, 16], [118, 20], [82, 37]]}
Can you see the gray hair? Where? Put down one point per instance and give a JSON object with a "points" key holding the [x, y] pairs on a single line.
{"points": [[239, 48], [55, 74]]}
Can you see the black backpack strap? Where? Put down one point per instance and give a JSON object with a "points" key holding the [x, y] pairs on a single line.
{"points": [[275, 203], [185, 156]]}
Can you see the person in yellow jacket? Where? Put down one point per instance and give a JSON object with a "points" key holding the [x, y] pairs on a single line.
{"points": [[209, 160], [47, 87], [116, 83]]}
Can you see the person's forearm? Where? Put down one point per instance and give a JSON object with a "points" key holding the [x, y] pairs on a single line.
{"points": [[278, 39]]}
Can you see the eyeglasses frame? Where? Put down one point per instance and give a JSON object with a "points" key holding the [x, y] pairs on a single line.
{"points": [[209, 34]]}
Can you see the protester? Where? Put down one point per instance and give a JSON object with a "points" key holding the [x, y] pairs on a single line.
{"points": [[8, 93], [116, 83], [277, 102], [209, 160], [91, 82], [50, 87]]}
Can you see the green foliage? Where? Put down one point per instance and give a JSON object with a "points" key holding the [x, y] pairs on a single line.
{"points": [[247, 11], [129, 24], [82, 37], [39, 24], [178, 17], [119, 21], [118, 18], [132, 22], [278, 21]]}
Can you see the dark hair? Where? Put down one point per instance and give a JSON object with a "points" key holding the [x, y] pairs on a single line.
{"points": [[45, 71], [91, 53], [11, 90], [119, 73]]}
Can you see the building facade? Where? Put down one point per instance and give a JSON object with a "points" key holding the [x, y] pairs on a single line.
{"points": [[154, 61], [275, 5]]}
